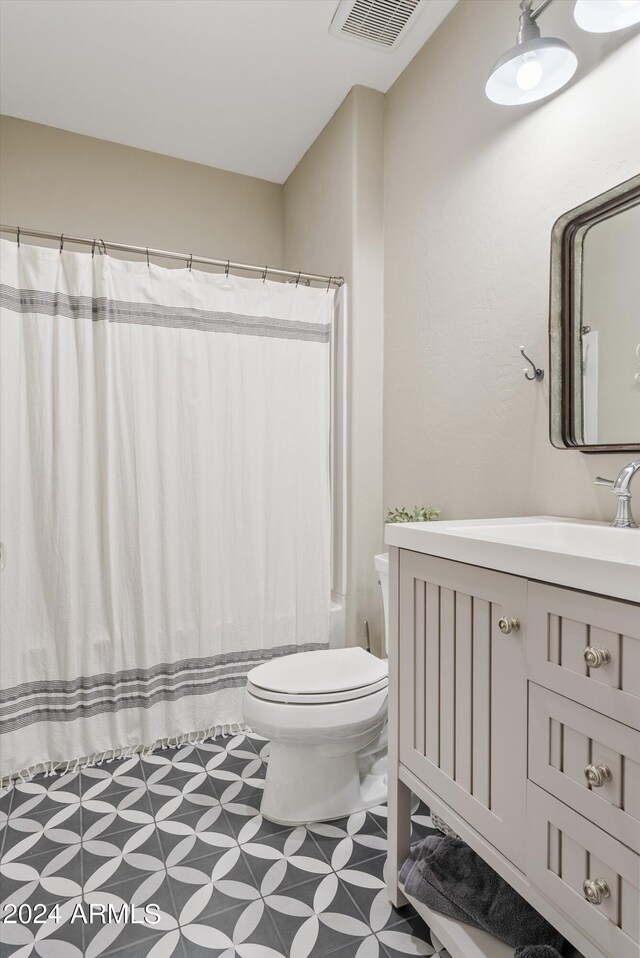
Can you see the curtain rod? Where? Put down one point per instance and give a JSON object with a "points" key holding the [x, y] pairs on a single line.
{"points": [[227, 265]]}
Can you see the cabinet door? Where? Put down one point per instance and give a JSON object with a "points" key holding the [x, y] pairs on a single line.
{"points": [[462, 692]]}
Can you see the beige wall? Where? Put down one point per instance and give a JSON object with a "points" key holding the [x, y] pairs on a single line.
{"points": [[64, 182], [333, 224], [471, 193]]}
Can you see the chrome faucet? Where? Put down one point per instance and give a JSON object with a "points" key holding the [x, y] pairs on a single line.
{"points": [[620, 488]]}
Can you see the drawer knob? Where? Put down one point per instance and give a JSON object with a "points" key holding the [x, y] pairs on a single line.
{"points": [[597, 775], [508, 625], [596, 890], [596, 657]]}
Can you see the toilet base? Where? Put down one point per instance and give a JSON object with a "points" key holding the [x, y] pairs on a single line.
{"points": [[305, 785]]}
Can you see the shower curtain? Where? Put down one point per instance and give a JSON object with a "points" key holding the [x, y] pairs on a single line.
{"points": [[165, 503]]}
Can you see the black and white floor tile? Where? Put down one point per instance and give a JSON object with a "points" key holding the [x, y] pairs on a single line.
{"points": [[181, 830]]}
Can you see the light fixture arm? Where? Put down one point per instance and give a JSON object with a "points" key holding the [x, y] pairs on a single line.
{"points": [[529, 29], [542, 6]]}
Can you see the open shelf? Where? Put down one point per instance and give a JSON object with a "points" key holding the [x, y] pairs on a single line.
{"points": [[460, 940], [465, 941]]}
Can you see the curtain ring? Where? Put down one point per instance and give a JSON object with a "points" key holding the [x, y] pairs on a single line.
{"points": [[148, 264], [226, 269], [264, 273], [93, 248], [190, 262], [102, 247], [18, 236], [61, 241], [329, 283], [298, 279]]}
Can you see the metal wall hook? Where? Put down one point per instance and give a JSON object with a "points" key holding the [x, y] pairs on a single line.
{"points": [[538, 374]]}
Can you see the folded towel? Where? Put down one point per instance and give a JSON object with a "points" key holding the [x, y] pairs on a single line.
{"points": [[448, 876], [537, 951]]}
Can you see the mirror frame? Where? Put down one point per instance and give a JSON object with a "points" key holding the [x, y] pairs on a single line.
{"points": [[567, 239]]}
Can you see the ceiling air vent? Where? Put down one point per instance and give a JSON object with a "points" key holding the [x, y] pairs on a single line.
{"points": [[376, 23]]}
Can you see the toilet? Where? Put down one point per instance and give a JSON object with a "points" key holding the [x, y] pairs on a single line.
{"points": [[325, 714]]}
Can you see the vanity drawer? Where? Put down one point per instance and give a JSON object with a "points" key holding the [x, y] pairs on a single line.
{"points": [[566, 628], [565, 851], [567, 742]]}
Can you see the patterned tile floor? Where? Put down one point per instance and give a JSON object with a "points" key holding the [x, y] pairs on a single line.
{"points": [[181, 829]]}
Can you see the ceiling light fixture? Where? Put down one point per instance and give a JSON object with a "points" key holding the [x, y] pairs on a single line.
{"points": [[606, 16], [535, 67]]}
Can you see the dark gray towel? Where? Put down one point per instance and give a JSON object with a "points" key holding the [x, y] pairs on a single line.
{"points": [[448, 876], [537, 951]]}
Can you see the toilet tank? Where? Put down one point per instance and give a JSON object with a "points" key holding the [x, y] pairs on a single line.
{"points": [[382, 568]]}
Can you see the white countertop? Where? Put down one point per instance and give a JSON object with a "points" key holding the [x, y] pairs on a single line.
{"points": [[591, 556]]}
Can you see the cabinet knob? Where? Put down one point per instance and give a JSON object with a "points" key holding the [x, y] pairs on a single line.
{"points": [[596, 657], [595, 890], [508, 625], [597, 775]]}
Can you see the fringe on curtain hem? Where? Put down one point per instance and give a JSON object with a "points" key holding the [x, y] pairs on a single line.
{"points": [[49, 769]]}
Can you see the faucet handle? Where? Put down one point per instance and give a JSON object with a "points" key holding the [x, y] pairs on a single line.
{"points": [[599, 481]]}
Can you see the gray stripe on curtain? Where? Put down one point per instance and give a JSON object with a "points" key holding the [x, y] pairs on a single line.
{"points": [[101, 309], [44, 701]]}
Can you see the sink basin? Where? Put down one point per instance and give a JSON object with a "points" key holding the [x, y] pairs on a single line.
{"points": [[580, 539], [591, 556]]}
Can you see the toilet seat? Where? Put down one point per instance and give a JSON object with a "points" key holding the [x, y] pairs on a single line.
{"points": [[320, 698], [318, 678]]}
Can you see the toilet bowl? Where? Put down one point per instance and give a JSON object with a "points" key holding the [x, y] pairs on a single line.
{"points": [[325, 714]]}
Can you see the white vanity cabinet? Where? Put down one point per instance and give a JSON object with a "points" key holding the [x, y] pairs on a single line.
{"points": [[515, 715]]}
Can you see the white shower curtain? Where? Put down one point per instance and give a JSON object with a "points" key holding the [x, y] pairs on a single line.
{"points": [[165, 506]]}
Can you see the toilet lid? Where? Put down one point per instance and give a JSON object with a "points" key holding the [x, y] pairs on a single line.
{"points": [[325, 672]]}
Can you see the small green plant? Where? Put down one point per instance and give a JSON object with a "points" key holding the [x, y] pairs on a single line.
{"points": [[419, 514]]}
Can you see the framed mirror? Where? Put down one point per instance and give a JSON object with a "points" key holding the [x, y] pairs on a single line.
{"points": [[594, 324]]}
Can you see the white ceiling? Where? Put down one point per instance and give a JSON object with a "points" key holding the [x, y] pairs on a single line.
{"points": [[244, 85]]}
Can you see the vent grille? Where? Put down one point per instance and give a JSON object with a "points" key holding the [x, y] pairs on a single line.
{"points": [[375, 22]]}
